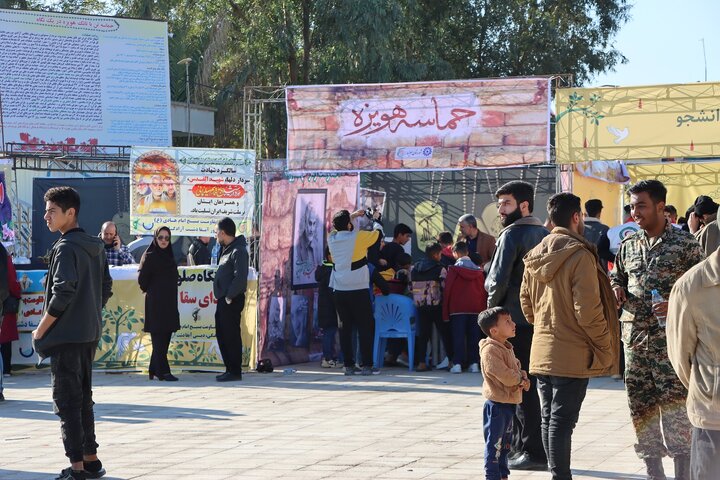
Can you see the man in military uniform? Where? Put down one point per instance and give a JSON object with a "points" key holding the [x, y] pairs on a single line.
{"points": [[653, 258]]}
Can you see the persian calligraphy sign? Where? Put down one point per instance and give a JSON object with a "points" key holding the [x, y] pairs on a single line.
{"points": [[427, 125], [189, 189], [634, 123]]}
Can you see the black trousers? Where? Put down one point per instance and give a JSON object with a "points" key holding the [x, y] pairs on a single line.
{"points": [[705, 454], [71, 379], [355, 310], [227, 328], [432, 315], [560, 399], [6, 352], [158, 360], [527, 436]]}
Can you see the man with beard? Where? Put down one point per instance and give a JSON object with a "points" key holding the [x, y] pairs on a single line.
{"points": [[521, 233], [308, 249], [653, 258]]}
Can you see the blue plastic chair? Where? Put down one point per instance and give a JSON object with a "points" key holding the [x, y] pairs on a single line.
{"points": [[393, 319]]}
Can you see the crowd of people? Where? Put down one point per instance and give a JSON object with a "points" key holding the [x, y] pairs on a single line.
{"points": [[544, 308]]}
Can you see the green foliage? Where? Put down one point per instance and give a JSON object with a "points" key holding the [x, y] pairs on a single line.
{"points": [[237, 43]]}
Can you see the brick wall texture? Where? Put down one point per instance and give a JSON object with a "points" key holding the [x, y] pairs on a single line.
{"points": [[279, 194], [505, 122]]}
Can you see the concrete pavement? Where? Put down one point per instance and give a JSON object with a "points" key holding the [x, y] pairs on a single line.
{"points": [[313, 424]]}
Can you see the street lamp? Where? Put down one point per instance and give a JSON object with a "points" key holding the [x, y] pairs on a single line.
{"points": [[186, 62]]}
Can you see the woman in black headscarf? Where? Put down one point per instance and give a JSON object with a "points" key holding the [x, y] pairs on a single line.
{"points": [[158, 279]]}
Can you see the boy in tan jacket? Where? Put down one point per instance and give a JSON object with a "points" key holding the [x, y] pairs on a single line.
{"points": [[503, 382]]}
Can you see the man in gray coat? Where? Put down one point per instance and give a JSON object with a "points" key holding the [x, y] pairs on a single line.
{"points": [[229, 288]]}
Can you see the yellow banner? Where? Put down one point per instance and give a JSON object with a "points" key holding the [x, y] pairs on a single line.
{"points": [[684, 181], [634, 123], [123, 343]]}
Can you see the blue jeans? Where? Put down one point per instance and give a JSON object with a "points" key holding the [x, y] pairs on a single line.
{"points": [[497, 430], [329, 343], [465, 336], [705, 454]]}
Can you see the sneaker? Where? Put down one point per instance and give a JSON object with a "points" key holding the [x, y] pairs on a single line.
{"points": [[370, 371], [94, 469], [327, 363], [350, 371], [524, 462], [474, 368], [444, 364], [457, 368], [402, 360], [70, 474]]}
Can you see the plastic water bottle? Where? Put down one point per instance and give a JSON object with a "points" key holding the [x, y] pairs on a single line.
{"points": [[656, 298], [214, 255]]}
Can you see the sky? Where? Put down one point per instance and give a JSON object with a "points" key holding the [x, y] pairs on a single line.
{"points": [[662, 42]]}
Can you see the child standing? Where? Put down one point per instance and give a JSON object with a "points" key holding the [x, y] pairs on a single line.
{"points": [[327, 315], [463, 298], [503, 381]]}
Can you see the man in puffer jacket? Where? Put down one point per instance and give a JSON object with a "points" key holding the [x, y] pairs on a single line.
{"points": [[567, 296]]}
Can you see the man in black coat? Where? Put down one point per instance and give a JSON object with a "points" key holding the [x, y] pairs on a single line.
{"points": [[229, 288], [521, 233]]}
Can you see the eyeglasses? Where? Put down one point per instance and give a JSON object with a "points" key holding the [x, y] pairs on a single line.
{"points": [[163, 237]]}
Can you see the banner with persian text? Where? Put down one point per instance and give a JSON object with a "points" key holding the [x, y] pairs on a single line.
{"points": [[189, 189], [84, 80], [123, 343], [425, 125], [635, 123]]}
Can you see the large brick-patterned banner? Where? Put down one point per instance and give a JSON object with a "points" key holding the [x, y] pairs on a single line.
{"points": [[429, 125]]}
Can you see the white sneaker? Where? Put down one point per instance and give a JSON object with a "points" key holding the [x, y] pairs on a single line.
{"points": [[457, 368], [327, 363], [474, 368], [444, 364]]}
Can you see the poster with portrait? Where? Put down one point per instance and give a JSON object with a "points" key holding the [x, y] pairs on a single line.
{"points": [[189, 189], [308, 236]]}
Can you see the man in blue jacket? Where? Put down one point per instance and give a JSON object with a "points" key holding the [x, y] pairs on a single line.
{"points": [[521, 233], [78, 287], [229, 288]]}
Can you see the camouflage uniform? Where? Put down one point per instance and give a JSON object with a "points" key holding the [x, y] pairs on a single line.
{"points": [[655, 394]]}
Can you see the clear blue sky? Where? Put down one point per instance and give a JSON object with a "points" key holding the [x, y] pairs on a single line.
{"points": [[662, 43]]}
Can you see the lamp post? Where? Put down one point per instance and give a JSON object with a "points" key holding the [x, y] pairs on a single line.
{"points": [[186, 62]]}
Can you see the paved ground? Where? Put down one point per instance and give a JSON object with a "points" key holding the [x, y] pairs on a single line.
{"points": [[313, 424]]}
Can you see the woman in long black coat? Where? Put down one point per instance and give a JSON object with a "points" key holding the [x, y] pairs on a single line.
{"points": [[158, 279]]}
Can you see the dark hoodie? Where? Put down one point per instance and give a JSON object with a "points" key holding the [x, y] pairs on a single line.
{"points": [[77, 288], [464, 291], [231, 276]]}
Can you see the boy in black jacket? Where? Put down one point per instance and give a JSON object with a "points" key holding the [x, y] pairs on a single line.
{"points": [[427, 281], [78, 287]]}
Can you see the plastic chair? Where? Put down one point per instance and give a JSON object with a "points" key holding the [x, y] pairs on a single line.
{"points": [[393, 314]]}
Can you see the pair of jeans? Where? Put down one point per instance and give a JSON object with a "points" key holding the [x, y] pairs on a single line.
{"points": [[328, 343], [465, 337], [527, 437], [497, 430], [705, 454], [355, 311], [560, 400], [227, 327], [429, 315], [71, 379]]}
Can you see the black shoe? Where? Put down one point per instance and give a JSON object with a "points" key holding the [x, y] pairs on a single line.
{"points": [[70, 474], [2, 397], [94, 469], [168, 377], [229, 377], [524, 462], [218, 376]]}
